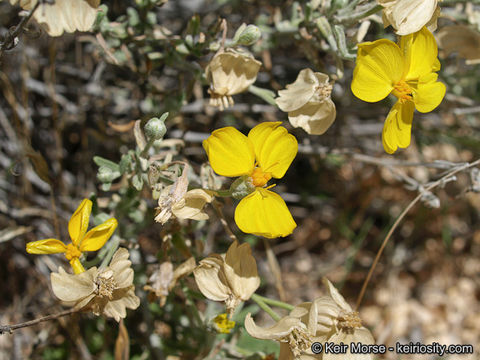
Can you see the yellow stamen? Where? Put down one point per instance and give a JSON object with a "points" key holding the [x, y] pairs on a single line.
{"points": [[260, 178], [72, 252], [402, 90]]}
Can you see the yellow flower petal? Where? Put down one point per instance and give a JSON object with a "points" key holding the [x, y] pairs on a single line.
{"points": [[78, 224], [264, 213], [429, 94], [98, 236], [230, 152], [398, 126], [421, 52], [275, 148], [47, 246], [379, 66]]}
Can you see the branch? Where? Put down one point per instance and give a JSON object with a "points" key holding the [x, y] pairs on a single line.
{"points": [[400, 218], [9, 41], [10, 328]]}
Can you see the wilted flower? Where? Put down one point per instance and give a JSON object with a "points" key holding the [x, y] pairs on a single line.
{"points": [[230, 277], [267, 152], [308, 102], [326, 319], [108, 291], [409, 16], [337, 323], [176, 200], [462, 40], [294, 336], [164, 278], [63, 15], [81, 239], [406, 71], [190, 206], [230, 72]]}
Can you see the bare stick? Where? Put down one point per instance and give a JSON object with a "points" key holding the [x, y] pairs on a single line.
{"points": [[400, 218], [10, 38], [10, 328]]}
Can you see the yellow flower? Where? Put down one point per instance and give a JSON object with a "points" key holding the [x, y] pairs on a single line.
{"points": [[223, 324], [266, 153], [81, 239], [407, 71]]}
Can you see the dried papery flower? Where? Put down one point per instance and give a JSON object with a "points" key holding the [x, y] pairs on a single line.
{"points": [[230, 277], [164, 278], [308, 102], [336, 322], [462, 40], [294, 335], [230, 72], [105, 291], [409, 16], [326, 319], [63, 15], [189, 206]]}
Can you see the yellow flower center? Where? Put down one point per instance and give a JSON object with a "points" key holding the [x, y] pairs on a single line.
{"points": [[72, 252], [260, 178], [402, 90]]}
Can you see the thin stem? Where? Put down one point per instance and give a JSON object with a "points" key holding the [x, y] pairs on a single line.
{"points": [[147, 147], [10, 38], [276, 303], [400, 218], [10, 328], [258, 299], [218, 208]]}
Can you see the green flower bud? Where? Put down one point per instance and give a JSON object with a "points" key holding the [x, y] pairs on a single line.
{"points": [[249, 35], [155, 128], [105, 174], [241, 187]]}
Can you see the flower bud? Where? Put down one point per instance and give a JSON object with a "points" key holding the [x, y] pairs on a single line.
{"points": [[105, 174], [249, 35], [155, 128]]}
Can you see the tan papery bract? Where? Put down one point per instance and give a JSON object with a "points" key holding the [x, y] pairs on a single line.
{"points": [[63, 15], [308, 102], [105, 291], [409, 16], [327, 319], [230, 72], [231, 277], [462, 40]]}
